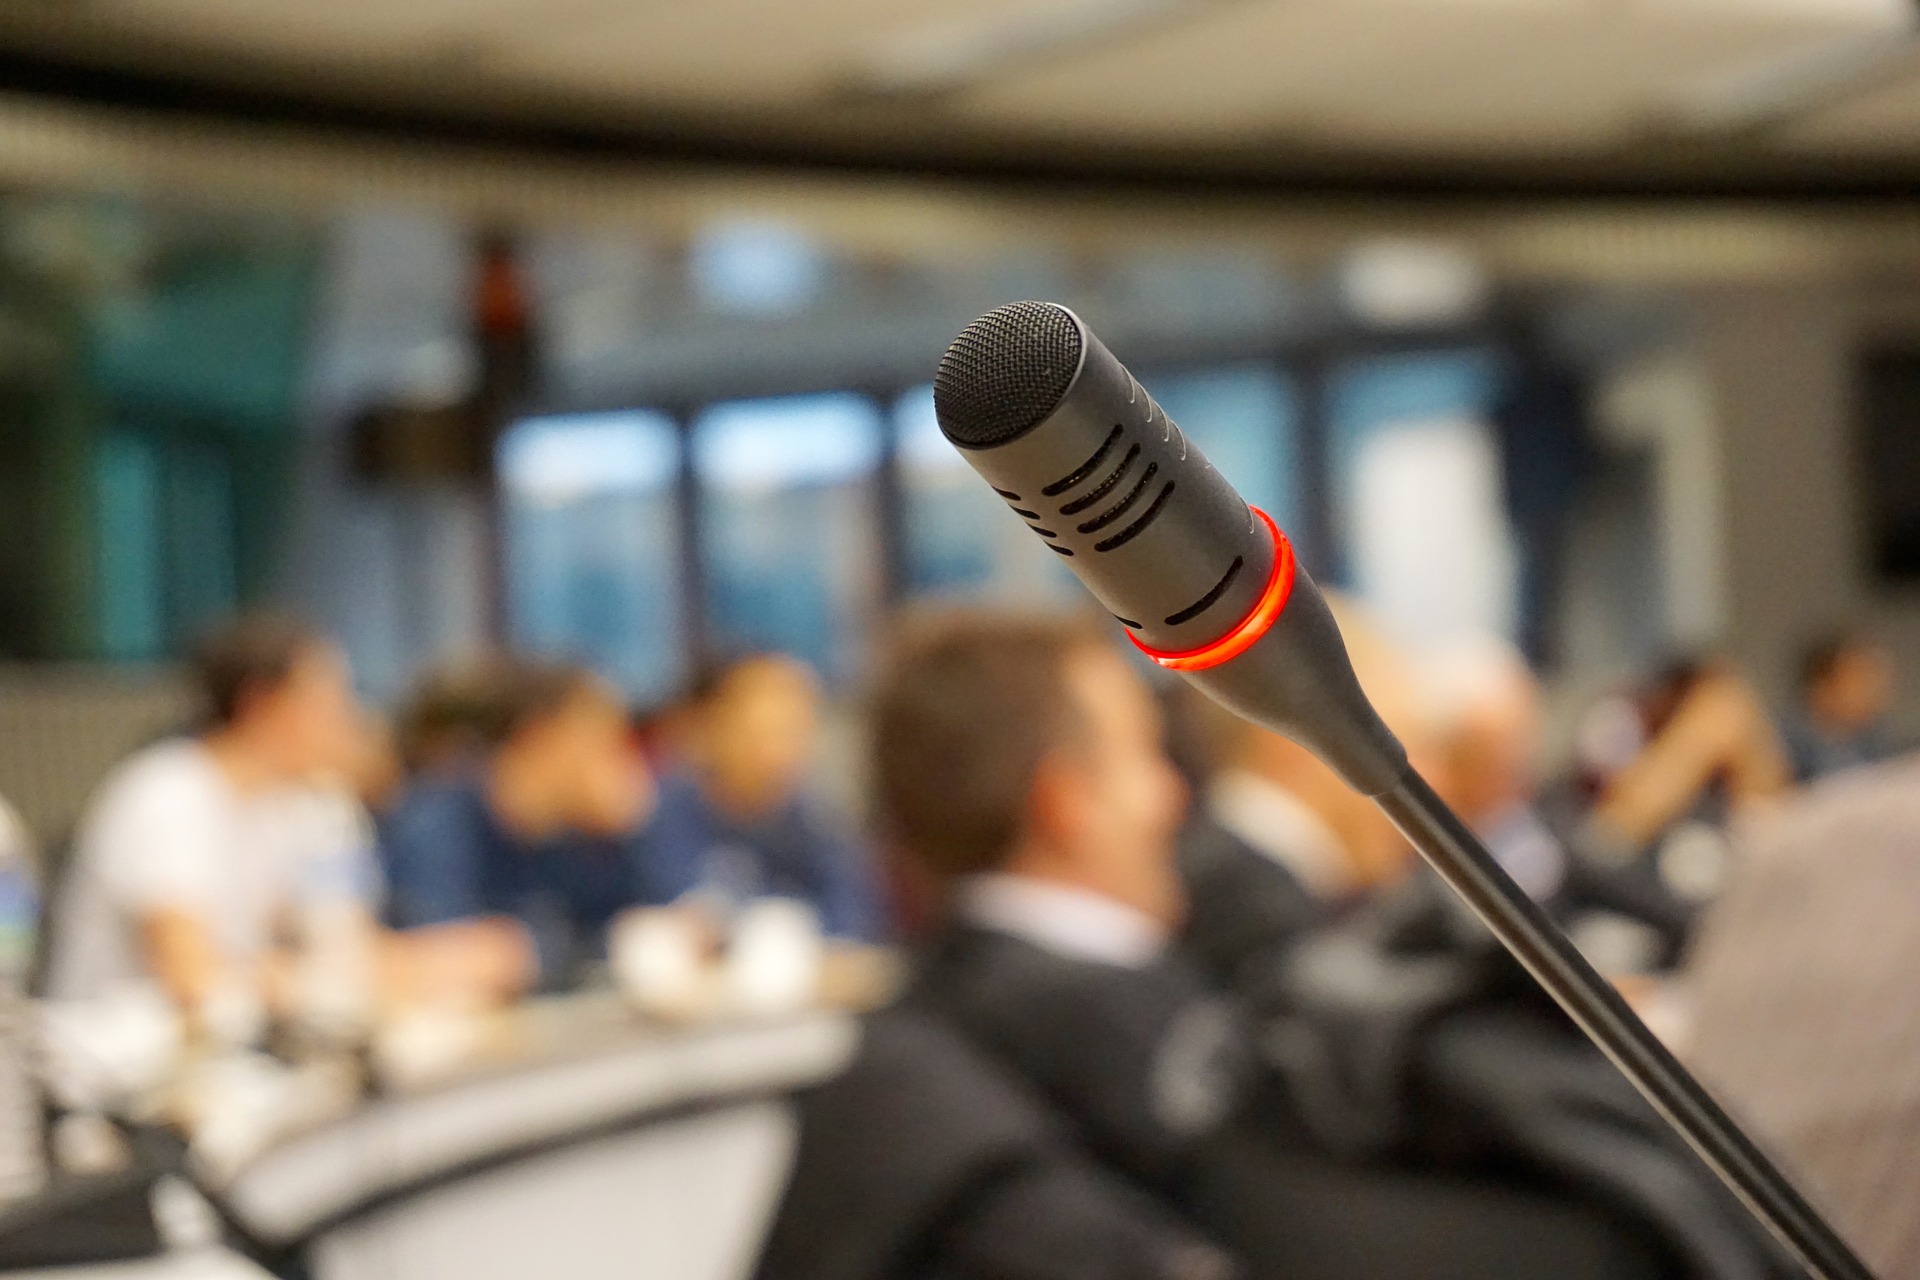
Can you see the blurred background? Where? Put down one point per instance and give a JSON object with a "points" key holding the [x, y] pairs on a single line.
{"points": [[465, 322], [603, 332]]}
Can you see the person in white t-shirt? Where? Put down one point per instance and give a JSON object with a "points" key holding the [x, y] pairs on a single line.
{"points": [[202, 862]]}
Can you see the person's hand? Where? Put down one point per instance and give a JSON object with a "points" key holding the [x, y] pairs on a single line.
{"points": [[484, 961]]}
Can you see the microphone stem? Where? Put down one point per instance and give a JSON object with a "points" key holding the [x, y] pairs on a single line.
{"points": [[1534, 940]]}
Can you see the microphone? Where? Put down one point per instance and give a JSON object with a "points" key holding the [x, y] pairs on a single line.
{"points": [[1207, 586], [1203, 584]]}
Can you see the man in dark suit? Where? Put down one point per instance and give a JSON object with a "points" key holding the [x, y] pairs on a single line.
{"points": [[1018, 764], [1053, 834]]}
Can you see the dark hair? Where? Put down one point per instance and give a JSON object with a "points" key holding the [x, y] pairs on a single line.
{"points": [[966, 709], [246, 656], [475, 704], [1820, 658], [712, 675]]}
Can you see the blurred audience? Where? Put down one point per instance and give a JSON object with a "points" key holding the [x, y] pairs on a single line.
{"points": [[217, 864], [1839, 717], [735, 822], [529, 789], [1805, 1014], [1019, 762]]}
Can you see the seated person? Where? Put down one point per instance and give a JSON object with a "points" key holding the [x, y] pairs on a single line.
{"points": [[199, 855], [532, 827], [1020, 761], [1806, 1017], [735, 824], [928, 1160], [1839, 722]]}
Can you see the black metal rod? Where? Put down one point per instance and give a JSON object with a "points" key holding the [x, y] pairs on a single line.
{"points": [[1524, 929]]}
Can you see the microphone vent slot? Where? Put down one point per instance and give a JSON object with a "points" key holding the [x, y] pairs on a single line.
{"points": [[1132, 531], [1105, 487], [1085, 469], [1005, 373], [1212, 597], [1119, 508], [1054, 546]]}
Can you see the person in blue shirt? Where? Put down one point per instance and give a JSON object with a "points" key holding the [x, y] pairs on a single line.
{"points": [[733, 822], [534, 824]]}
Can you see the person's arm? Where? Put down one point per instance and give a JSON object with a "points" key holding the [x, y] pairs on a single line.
{"points": [[486, 960], [1720, 730], [182, 956]]}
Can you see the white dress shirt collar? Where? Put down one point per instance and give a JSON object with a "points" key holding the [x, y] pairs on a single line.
{"points": [[1076, 924]]}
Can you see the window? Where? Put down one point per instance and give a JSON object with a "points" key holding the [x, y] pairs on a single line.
{"points": [[962, 542], [592, 544], [756, 267], [790, 538], [1417, 490]]}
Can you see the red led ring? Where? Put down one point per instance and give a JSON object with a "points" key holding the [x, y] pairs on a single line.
{"points": [[1242, 637]]}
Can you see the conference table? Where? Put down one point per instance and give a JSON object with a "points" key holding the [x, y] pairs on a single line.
{"points": [[568, 1136]]}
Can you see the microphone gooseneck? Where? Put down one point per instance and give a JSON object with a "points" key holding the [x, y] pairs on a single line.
{"points": [[1206, 586]]}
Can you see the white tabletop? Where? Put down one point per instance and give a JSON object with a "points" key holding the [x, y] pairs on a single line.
{"points": [[610, 1077]]}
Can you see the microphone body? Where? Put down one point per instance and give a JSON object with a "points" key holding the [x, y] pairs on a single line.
{"points": [[1203, 584], [1208, 587]]}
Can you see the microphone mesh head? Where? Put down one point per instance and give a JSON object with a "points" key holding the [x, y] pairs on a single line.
{"points": [[1005, 372]]}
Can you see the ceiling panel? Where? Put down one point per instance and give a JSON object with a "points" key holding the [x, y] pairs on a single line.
{"points": [[722, 53], [1390, 71], [1485, 77], [1885, 120], [332, 30]]}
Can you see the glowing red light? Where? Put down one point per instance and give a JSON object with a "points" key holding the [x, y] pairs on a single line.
{"points": [[1242, 637]]}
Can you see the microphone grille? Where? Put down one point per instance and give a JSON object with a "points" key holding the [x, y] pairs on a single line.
{"points": [[1005, 372]]}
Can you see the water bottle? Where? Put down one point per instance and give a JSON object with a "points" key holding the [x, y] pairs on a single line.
{"points": [[22, 1153]]}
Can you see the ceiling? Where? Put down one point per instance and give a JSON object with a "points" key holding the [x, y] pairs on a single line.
{"points": [[1774, 96]]}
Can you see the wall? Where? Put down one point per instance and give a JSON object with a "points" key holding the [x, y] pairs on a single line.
{"points": [[1778, 365]]}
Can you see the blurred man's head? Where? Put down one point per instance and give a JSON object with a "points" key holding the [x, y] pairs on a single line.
{"points": [[1846, 683], [455, 715], [754, 732], [561, 758], [1485, 711], [280, 694], [1027, 746]]}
